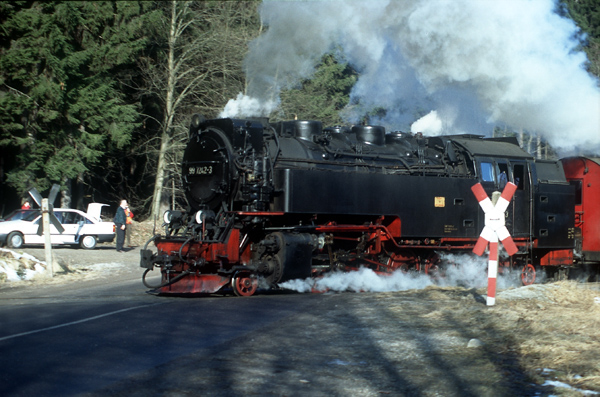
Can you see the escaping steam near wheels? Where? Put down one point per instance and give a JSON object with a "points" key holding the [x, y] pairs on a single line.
{"points": [[437, 67], [469, 272]]}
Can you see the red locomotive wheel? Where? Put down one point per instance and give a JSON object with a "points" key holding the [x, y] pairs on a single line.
{"points": [[528, 274], [404, 261], [433, 266], [244, 285]]}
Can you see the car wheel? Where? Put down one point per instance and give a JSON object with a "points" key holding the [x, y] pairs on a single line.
{"points": [[88, 242], [15, 240]]}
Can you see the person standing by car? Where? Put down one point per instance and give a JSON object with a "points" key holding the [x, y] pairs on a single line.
{"points": [[120, 224], [128, 226]]}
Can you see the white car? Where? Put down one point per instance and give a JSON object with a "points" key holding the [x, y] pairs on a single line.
{"points": [[81, 228]]}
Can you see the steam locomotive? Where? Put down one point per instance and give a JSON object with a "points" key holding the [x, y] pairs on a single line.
{"points": [[272, 202]]}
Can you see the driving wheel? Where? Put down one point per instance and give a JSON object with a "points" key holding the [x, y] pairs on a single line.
{"points": [[244, 285], [528, 274]]}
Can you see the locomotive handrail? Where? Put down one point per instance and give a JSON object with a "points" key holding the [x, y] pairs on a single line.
{"points": [[420, 169], [274, 132], [260, 213], [408, 166], [373, 156]]}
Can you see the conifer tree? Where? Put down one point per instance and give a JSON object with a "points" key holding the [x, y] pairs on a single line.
{"points": [[321, 97], [586, 14], [62, 107]]}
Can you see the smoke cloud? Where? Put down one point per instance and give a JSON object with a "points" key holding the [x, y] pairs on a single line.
{"points": [[475, 64]]}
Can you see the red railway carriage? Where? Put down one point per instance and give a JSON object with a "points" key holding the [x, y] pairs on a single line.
{"points": [[584, 174]]}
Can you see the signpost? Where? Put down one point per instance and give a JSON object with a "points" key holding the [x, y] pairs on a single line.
{"points": [[46, 204], [493, 231]]}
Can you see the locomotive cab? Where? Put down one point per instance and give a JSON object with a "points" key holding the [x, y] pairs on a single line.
{"points": [[495, 173], [499, 161]]}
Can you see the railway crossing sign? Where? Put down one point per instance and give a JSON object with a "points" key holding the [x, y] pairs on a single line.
{"points": [[37, 197], [47, 206], [493, 231]]}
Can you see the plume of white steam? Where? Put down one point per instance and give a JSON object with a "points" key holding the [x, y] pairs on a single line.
{"points": [[475, 63], [430, 124], [246, 106], [465, 271]]}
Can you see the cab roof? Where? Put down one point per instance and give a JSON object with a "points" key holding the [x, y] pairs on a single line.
{"points": [[492, 147]]}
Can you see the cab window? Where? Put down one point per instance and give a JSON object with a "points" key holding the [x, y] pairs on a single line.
{"points": [[503, 177], [519, 176], [487, 172]]}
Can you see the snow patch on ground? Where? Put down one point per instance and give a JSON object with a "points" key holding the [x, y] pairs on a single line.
{"points": [[534, 291], [19, 266], [563, 385]]}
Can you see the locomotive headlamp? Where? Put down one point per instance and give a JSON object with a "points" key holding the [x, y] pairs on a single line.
{"points": [[200, 216], [172, 216], [204, 216]]}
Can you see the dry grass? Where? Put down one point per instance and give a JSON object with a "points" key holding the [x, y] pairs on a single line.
{"points": [[552, 329], [558, 330]]}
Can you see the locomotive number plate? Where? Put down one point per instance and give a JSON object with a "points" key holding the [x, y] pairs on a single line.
{"points": [[201, 170]]}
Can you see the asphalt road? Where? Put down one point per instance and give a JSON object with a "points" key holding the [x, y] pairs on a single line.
{"points": [[96, 332], [79, 339]]}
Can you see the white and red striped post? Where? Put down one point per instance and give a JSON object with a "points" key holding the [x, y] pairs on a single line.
{"points": [[493, 231]]}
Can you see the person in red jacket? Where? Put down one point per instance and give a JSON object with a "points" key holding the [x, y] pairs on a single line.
{"points": [[128, 226]]}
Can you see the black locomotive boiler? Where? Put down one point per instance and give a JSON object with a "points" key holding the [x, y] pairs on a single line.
{"points": [[272, 202]]}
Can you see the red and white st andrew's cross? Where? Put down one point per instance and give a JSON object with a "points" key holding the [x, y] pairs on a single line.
{"points": [[493, 231]]}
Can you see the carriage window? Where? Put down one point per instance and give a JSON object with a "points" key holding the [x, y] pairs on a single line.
{"points": [[487, 172]]}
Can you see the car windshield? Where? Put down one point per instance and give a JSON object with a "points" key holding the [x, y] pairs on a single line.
{"points": [[31, 216], [26, 215]]}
